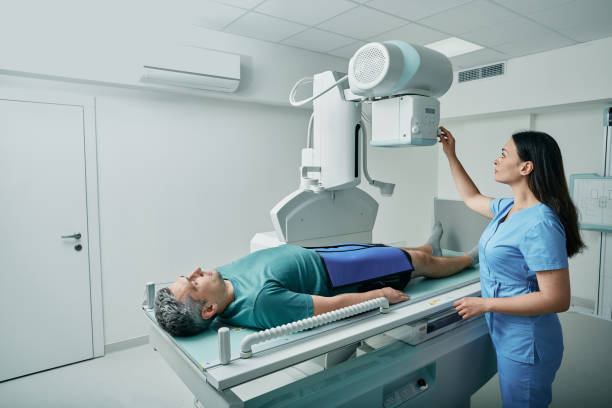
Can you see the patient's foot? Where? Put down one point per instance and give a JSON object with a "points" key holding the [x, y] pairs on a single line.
{"points": [[434, 239], [474, 254]]}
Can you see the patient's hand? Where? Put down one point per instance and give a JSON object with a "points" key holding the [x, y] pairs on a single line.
{"points": [[394, 295]]}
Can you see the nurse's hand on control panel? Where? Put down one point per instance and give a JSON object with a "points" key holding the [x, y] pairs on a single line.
{"points": [[471, 306], [448, 141]]}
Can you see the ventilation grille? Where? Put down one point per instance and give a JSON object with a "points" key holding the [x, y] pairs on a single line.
{"points": [[369, 64], [482, 72]]}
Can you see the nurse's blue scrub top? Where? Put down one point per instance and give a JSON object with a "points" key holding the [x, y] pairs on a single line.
{"points": [[511, 252]]}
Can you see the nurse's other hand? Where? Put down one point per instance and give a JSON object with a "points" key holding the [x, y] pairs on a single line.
{"points": [[471, 306], [394, 295], [448, 142]]}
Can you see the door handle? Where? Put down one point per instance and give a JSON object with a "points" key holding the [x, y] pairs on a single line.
{"points": [[76, 235]]}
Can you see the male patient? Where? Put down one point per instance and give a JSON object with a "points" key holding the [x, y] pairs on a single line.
{"points": [[280, 285]]}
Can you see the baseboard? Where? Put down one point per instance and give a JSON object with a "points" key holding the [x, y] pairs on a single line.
{"points": [[126, 344], [582, 305]]}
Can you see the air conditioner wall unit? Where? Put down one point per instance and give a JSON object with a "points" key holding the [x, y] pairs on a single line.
{"points": [[192, 67]]}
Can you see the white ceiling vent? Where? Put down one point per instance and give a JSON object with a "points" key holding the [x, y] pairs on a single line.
{"points": [[192, 67], [482, 72]]}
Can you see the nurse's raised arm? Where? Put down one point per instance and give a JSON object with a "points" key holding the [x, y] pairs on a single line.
{"points": [[467, 189]]}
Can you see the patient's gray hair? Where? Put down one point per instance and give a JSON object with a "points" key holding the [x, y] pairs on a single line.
{"points": [[179, 318]]}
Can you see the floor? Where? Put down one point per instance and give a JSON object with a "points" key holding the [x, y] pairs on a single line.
{"points": [[136, 377]]}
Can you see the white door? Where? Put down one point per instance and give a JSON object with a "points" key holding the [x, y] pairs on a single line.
{"points": [[45, 303]]}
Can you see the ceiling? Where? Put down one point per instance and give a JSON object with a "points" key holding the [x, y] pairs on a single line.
{"points": [[505, 28]]}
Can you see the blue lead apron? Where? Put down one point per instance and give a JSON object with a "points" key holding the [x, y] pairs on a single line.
{"points": [[373, 265]]}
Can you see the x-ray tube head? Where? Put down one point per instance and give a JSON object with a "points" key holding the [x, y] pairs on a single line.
{"points": [[390, 68]]}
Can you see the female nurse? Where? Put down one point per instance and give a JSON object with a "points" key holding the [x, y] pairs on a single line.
{"points": [[523, 255]]}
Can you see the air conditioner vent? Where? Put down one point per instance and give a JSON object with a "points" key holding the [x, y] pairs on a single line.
{"points": [[482, 72]]}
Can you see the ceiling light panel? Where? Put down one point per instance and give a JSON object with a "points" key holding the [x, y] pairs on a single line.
{"points": [[453, 46], [311, 12]]}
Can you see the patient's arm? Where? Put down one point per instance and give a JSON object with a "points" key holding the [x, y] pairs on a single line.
{"points": [[324, 304]]}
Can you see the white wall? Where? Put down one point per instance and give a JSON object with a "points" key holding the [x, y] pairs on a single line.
{"points": [[406, 217]]}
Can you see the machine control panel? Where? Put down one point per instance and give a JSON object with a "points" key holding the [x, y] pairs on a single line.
{"points": [[417, 332]]}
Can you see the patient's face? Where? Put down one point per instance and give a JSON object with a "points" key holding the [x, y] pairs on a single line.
{"points": [[200, 285]]}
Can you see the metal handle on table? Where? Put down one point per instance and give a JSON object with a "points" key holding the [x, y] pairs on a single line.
{"points": [[76, 235]]}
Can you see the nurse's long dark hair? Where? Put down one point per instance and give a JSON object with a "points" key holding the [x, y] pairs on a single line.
{"points": [[547, 182]]}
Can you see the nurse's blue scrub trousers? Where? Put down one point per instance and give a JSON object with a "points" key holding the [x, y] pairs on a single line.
{"points": [[524, 384]]}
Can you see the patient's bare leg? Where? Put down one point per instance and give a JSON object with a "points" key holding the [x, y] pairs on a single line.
{"points": [[436, 266], [423, 248]]}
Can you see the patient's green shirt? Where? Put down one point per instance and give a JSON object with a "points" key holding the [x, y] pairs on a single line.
{"points": [[273, 286]]}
